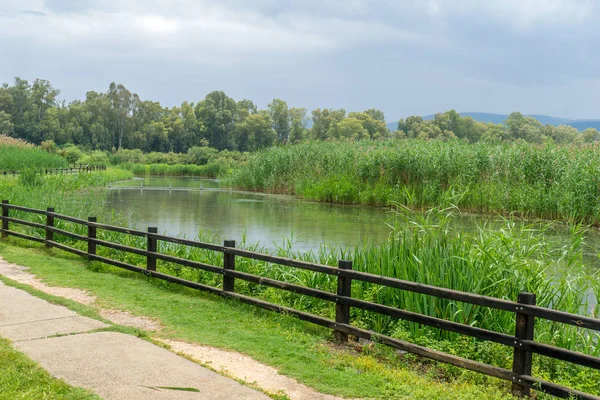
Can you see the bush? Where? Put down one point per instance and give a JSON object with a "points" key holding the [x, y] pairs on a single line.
{"points": [[96, 157], [71, 154], [128, 156]]}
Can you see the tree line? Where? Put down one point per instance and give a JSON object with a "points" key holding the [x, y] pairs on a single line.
{"points": [[119, 119]]}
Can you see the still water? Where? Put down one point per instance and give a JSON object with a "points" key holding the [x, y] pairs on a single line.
{"points": [[271, 219], [266, 219]]}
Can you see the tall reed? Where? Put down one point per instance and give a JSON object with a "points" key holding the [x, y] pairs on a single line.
{"points": [[549, 181]]}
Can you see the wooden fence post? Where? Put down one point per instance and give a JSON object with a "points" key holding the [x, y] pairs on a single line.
{"points": [[342, 311], [49, 224], [152, 247], [4, 220], [91, 237], [522, 359], [229, 264]]}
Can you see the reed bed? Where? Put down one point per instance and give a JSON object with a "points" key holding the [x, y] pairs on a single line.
{"points": [[549, 182], [210, 170], [19, 157]]}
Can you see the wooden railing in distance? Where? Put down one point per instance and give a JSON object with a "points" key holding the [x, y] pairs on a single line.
{"points": [[525, 309], [59, 171]]}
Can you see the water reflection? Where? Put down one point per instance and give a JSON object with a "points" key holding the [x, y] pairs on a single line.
{"points": [[265, 219], [271, 219]]}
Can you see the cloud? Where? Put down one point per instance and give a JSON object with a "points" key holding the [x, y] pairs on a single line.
{"points": [[410, 54]]}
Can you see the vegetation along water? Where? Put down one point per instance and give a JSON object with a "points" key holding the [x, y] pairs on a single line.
{"points": [[424, 247], [423, 171]]}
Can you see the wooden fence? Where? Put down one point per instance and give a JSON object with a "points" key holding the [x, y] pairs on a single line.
{"points": [[58, 171], [525, 309]]}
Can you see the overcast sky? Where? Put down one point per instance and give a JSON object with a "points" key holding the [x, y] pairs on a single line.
{"points": [[403, 57]]}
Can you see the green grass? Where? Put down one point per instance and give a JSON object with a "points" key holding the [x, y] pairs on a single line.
{"points": [[21, 378], [211, 170], [71, 194], [18, 158], [549, 182], [295, 348]]}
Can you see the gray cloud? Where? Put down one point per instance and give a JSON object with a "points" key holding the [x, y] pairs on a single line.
{"points": [[405, 57]]}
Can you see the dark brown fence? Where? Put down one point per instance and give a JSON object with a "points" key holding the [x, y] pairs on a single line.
{"points": [[58, 171], [526, 312]]}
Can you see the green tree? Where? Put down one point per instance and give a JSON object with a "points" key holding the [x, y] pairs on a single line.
{"points": [[298, 124], [279, 113], [525, 128], [6, 125], [217, 114], [348, 128], [376, 127], [256, 132], [245, 108], [122, 104], [43, 96], [322, 121]]}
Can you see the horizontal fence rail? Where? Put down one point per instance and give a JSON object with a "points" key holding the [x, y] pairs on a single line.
{"points": [[525, 310], [58, 171]]}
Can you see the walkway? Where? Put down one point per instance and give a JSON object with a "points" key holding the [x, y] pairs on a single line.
{"points": [[113, 365]]}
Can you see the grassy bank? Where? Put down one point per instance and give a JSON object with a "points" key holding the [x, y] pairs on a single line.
{"points": [[548, 182], [21, 378], [210, 170], [297, 349], [493, 261], [72, 194], [498, 262]]}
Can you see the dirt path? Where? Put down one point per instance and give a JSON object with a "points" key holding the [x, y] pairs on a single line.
{"points": [[235, 365]]}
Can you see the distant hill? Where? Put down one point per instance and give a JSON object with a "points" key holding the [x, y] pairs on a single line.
{"points": [[581, 124]]}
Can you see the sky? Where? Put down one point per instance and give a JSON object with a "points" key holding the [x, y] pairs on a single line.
{"points": [[405, 57]]}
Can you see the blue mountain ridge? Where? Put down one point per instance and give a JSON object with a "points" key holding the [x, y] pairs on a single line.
{"points": [[580, 124]]}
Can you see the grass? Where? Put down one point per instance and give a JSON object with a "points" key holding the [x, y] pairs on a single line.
{"points": [[495, 261], [59, 191], [20, 157], [21, 378], [550, 182], [295, 348], [211, 170]]}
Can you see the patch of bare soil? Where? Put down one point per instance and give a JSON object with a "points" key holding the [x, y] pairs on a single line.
{"points": [[128, 319], [240, 366], [20, 274]]}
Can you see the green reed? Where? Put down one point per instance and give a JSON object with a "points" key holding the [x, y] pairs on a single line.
{"points": [[18, 158], [548, 182]]}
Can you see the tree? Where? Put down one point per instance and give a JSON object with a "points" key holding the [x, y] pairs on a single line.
{"points": [[590, 135], [526, 128], [322, 121], [217, 113], [561, 134], [278, 111], [6, 125], [43, 96], [298, 123], [256, 132], [122, 104], [245, 108], [375, 126], [348, 128]]}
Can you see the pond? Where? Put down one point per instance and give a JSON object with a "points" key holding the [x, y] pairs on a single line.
{"points": [[194, 205]]}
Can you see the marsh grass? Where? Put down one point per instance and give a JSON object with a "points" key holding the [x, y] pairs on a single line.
{"points": [[211, 170], [20, 157], [550, 182]]}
